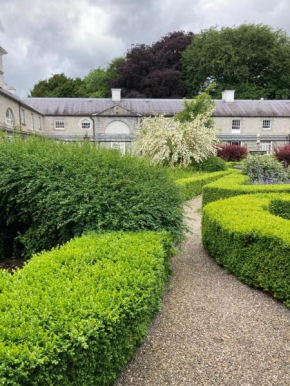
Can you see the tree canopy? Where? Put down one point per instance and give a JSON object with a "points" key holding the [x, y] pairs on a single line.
{"points": [[154, 71], [252, 59], [97, 81], [59, 86]]}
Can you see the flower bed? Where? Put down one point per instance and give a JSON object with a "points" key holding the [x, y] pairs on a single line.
{"points": [[250, 242], [74, 315]]}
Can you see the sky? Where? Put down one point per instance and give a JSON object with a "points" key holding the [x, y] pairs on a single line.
{"points": [[45, 37]]}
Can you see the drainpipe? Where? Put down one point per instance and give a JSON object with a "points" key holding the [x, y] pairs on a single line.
{"points": [[94, 130]]}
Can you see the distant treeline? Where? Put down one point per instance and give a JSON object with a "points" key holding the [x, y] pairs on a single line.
{"points": [[252, 59]]}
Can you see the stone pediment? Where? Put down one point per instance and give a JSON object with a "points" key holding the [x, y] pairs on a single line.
{"points": [[116, 111]]}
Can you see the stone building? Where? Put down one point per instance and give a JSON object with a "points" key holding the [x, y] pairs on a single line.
{"points": [[258, 124]]}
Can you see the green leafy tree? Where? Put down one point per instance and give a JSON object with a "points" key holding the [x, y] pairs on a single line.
{"points": [[252, 59], [59, 86], [97, 81], [197, 106]]}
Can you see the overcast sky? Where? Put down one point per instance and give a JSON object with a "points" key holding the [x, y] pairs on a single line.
{"points": [[45, 37]]}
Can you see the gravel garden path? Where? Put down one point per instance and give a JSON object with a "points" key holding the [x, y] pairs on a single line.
{"points": [[212, 330]]}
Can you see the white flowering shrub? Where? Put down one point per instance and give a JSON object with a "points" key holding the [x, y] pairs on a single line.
{"points": [[170, 142]]}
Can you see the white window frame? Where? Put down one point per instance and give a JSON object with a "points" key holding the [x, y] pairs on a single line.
{"points": [[86, 121], [236, 126], [9, 117], [121, 146], [267, 146], [22, 115], [32, 122], [59, 124], [266, 124]]}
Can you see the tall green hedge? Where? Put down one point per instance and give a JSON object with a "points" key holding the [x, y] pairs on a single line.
{"points": [[74, 315], [237, 184], [192, 186], [250, 242], [51, 192]]}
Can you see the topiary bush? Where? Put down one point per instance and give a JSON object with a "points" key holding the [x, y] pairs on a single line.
{"points": [[250, 242], [233, 153], [237, 184], [51, 192], [74, 315], [211, 164], [283, 155], [265, 169], [192, 186]]}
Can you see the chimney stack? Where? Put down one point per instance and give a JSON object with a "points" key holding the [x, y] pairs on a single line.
{"points": [[116, 94], [2, 52], [228, 96]]}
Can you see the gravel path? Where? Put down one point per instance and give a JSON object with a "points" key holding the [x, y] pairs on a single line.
{"points": [[212, 329]]}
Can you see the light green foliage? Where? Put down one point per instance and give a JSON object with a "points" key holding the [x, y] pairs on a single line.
{"points": [[74, 315], [199, 105], [264, 168], [192, 186], [51, 192], [250, 242], [97, 81], [236, 184], [252, 59]]}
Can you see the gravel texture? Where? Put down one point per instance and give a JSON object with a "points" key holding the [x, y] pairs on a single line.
{"points": [[212, 329]]}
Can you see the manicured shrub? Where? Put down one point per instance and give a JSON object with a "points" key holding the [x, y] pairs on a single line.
{"points": [[236, 184], [74, 315], [232, 152], [265, 170], [250, 242], [280, 207], [192, 186], [283, 155], [51, 192], [211, 164]]}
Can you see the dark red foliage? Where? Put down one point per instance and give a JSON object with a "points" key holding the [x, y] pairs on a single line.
{"points": [[234, 153], [154, 71], [283, 154]]}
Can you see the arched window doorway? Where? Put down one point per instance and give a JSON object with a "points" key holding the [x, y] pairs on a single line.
{"points": [[9, 118], [117, 128]]}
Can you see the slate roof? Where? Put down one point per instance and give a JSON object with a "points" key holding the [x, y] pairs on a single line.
{"points": [[86, 106], [17, 99]]}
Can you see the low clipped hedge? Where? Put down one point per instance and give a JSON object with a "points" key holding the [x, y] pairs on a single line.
{"points": [[51, 192], [192, 186], [74, 315], [250, 242], [237, 184]]}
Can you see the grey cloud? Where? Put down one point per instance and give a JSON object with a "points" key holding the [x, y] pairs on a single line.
{"points": [[73, 36]]}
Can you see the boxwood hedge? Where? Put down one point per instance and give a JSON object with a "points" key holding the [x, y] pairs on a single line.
{"points": [[237, 184], [192, 186], [250, 242], [74, 315], [51, 192]]}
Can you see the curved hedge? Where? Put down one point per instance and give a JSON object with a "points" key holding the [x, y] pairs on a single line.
{"points": [[192, 186], [237, 184], [250, 242], [74, 315], [51, 192]]}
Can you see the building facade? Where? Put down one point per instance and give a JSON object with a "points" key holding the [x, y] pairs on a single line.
{"points": [[114, 122]]}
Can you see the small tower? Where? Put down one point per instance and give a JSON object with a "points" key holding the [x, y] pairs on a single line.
{"points": [[2, 52]]}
